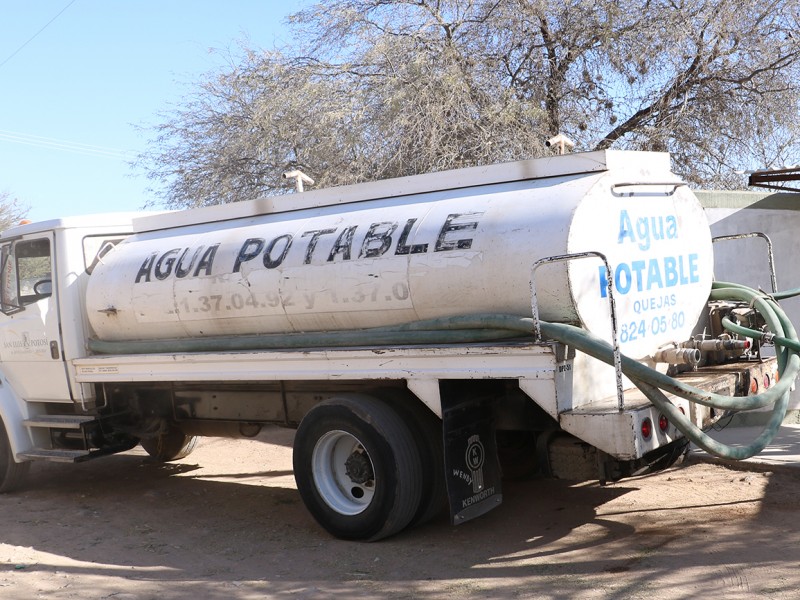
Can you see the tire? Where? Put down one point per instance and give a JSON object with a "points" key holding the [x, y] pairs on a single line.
{"points": [[12, 473], [358, 468], [427, 430], [170, 445]]}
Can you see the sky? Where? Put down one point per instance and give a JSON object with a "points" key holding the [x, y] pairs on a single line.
{"points": [[81, 81]]}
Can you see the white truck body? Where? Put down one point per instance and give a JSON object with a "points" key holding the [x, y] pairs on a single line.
{"points": [[95, 312]]}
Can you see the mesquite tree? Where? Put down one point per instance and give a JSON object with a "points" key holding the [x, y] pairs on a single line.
{"points": [[11, 211], [384, 88]]}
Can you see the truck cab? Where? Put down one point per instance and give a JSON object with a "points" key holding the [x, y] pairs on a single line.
{"points": [[43, 327]]}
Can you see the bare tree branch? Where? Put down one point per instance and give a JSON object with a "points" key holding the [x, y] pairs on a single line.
{"points": [[385, 88]]}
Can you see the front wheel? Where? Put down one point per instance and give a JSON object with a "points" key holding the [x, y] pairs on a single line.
{"points": [[357, 468], [12, 473]]}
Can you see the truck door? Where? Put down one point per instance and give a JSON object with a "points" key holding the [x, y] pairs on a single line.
{"points": [[30, 332]]}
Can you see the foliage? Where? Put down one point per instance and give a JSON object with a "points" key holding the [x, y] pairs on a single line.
{"points": [[386, 88], [11, 211]]}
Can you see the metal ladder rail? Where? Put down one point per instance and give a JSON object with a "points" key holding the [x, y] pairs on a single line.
{"points": [[537, 327]]}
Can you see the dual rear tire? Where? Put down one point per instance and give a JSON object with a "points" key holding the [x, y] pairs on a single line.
{"points": [[366, 470]]}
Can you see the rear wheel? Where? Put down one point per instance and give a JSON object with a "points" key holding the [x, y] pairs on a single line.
{"points": [[12, 473], [357, 468], [169, 445], [427, 430]]}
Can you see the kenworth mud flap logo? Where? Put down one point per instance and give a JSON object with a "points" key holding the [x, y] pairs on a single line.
{"points": [[472, 469]]}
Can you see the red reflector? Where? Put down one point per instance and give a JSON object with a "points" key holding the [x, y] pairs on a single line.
{"points": [[663, 423], [747, 344], [647, 428], [766, 380], [754, 386]]}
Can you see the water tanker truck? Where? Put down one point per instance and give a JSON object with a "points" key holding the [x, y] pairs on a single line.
{"points": [[425, 335]]}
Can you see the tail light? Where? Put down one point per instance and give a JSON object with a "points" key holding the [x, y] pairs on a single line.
{"points": [[647, 428]]}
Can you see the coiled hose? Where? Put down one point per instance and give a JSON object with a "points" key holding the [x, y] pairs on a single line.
{"points": [[651, 382], [486, 327]]}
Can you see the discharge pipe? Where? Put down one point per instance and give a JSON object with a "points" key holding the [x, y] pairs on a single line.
{"points": [[678, 356], [723, 344]]}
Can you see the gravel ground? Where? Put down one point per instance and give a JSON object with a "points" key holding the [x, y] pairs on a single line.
{"points": [[227, 523]]}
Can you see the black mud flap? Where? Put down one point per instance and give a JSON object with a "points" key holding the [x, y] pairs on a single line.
{"points": [[470, 458]]}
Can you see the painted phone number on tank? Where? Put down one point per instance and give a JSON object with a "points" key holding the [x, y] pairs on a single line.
{"points": [[257, 303], [635, 330]]}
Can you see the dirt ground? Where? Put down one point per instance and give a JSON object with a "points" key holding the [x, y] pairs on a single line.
{"points": [[227, 523]]}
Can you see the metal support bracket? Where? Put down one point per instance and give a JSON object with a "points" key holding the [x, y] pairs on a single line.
{"points": [[674, 184]]}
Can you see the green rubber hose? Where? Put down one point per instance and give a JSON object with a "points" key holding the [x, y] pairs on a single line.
{"points": [[489, 327]]}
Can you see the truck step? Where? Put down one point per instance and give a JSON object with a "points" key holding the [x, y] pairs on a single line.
{"points": [[58, 421], [63, 456], [74, 456]]}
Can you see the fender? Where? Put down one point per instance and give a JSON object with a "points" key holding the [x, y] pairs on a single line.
{"points": [[13, 411]]}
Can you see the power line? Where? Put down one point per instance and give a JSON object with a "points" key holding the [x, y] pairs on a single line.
{"points": [[35, 35], [63, 145]]}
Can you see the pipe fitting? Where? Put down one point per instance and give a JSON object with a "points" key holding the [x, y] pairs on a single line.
{"points": [[678, 356], [720, 344]]}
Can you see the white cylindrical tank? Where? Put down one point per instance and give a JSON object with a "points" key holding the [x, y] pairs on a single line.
{"points": [[414, 257]]}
